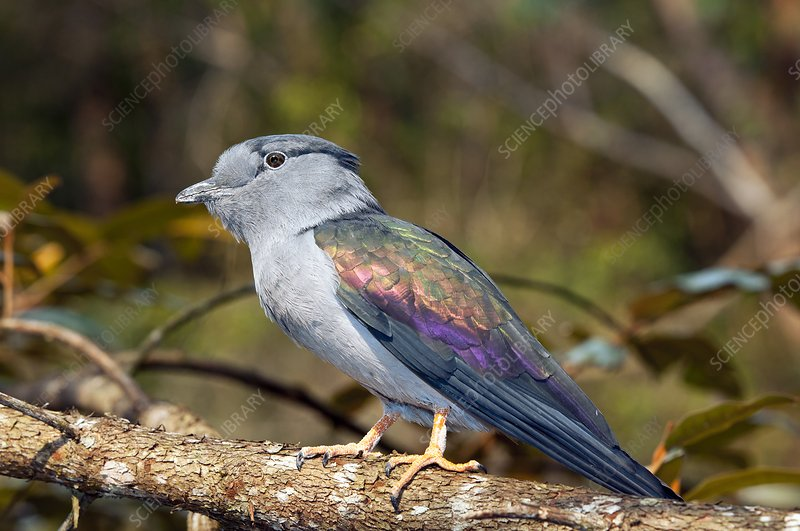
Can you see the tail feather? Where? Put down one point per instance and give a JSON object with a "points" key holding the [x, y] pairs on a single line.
{"points": [[524, 418]]}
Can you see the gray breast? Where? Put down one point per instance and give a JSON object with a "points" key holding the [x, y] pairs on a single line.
{"points": [[296, 283]]}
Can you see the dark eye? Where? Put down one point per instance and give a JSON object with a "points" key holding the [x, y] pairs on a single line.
{"points": [[275, 159]]}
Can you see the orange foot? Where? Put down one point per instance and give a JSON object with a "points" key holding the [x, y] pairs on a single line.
{"points": [[434, 455], [359, 449]]}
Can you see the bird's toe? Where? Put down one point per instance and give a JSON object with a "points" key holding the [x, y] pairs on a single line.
{"points": [[328, 453], [394, 462], [419, 462]]}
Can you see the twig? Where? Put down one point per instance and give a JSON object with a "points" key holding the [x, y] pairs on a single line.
{"points": [[569, 296], [39, 414], [711, 67], [79, 503], [69, 522], [8, 273], [626, 333], [579, 125], [249, 377], [42, 288], [690, 120], [85, 347], [157, 336]]}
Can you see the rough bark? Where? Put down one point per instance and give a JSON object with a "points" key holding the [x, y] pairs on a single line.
{"points": [[255, 484], [89, 391]]}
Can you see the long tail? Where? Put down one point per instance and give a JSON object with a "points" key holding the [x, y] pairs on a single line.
{"points": [[534, 421], [610, 467]]}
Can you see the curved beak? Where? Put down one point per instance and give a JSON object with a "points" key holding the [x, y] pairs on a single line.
{"points": [[198, 193]]}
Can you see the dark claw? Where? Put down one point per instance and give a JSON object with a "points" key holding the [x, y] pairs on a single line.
{"points": [[300, 459], [360, 454], [388, 469], [325, 458], [395, 503], [482, 468]]}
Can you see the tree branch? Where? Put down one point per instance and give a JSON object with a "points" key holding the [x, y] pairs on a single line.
{"points": [[37, 292], [39, 414], [8, 265], [732, 169], [250, 484], [567, 295], [157, 336], [87, 349], [575, 123]]}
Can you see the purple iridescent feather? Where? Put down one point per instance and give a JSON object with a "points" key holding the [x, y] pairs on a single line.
{"points": [[419, 280]]}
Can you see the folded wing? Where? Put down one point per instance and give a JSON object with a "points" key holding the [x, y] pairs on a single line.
{"points": [[443, 317]]}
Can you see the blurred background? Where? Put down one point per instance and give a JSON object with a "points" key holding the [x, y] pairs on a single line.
{"points": [[628, 170]]}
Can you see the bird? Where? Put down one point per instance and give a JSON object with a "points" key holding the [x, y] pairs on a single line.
{"points": [[402, 311]]}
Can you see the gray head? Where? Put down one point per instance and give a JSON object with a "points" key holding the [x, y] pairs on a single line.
{"points": [[275, 186]]}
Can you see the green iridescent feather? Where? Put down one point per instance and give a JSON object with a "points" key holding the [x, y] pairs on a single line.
{"points": [[397, 272], [445, 320]]}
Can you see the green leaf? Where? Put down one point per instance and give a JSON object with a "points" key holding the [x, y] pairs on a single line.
{"points": [[727, 458], [659, 303], [11, 188], [691, 287], [713, 443], [15, 193], [671, 466], [595, 351], [144, 220], [699, 426], [733, 481], [694, 353]]}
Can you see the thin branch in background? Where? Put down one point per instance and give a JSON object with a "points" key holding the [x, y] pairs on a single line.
{"points": [[8, 267], [9, 225], [637, 150], [155, 338], [39, 414], [42, 288], [775, 233], [79, 503], [575, 123], [567, 295], [625, 333], [690, 120], [86, 348], [710, 67], [251, 378]]}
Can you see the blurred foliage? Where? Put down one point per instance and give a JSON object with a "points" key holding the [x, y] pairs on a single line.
{"points": [[645, 324], [725, 483], [689, 288], [709, 434]]}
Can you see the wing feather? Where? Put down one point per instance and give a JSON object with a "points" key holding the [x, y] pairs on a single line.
{"points": [[444, 318]]}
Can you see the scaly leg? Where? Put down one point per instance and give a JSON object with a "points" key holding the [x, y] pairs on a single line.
{"points": [[434, 455], [359, 449]]}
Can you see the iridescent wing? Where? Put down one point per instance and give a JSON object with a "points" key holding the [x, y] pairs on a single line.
{"points": [[443, 317]]}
